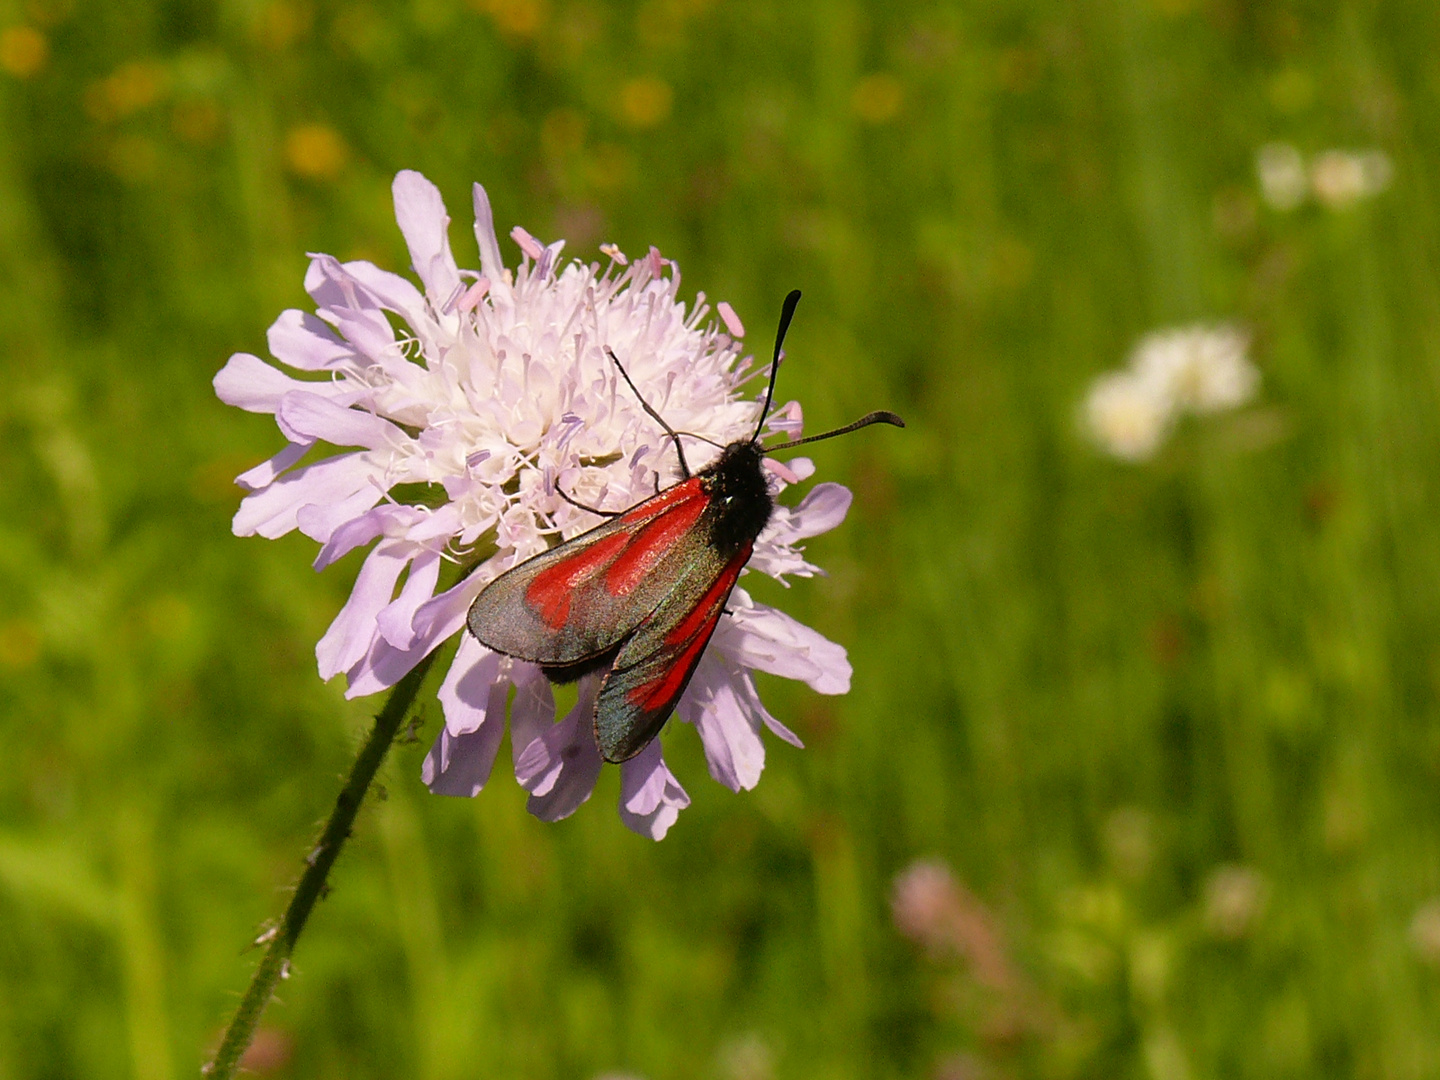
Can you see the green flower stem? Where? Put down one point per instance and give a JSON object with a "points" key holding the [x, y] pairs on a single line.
{"points": [[312, 882]]}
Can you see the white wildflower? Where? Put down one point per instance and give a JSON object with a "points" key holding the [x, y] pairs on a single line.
{"points": [[1341, 178], [1281, 169], [1127, 416], [1202, 369]]}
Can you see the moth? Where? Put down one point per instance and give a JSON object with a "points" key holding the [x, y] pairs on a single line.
{"points": [[639, 596]]}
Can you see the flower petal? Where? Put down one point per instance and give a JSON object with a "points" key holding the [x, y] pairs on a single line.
{"points": [[319, 521], [330, 287], [394, 623], [823, 508], [760, 637], [438, 618], [473, 698], [385, 519], [274, 511], [650, 796], [560, 766], [268, 471], [780, 560], [779, 730], [351, 634], [444, 522], [491, 265], [532, 716], [468, 695], [461, 764], [390, 291], [358, 313], [743, 684], [301, 340], [420, 213], [305, 416], [359, 286], [249, 383], [371, 333], [729, 732]]}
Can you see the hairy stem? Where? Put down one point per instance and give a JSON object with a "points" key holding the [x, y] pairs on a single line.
{"points": [[311, 887]]}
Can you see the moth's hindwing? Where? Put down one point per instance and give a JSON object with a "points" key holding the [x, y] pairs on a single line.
{"points": [[654, 666]]}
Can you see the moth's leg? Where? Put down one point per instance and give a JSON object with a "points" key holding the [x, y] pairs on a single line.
{"points": [[594, 510]]}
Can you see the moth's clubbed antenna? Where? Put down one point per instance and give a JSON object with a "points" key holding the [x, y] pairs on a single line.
{"points": [[787, 312], [879, 416]]}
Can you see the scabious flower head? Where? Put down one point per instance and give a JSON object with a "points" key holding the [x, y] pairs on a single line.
{"points": [[494, 392]]}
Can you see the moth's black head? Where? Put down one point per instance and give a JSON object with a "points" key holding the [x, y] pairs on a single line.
{"points": [[740, 502]]}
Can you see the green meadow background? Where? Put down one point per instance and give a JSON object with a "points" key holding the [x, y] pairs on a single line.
{"points": [[1173, 727]]}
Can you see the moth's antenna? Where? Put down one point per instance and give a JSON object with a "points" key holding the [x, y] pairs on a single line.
{"points": [[879, 417], [787, 312], [702, 438], [679, 450]]}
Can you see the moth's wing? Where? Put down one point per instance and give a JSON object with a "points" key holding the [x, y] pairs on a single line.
{"points": [[653, 668], [581, 599]]}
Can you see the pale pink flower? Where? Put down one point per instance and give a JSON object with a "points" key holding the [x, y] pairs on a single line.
{"points": [[494, 390]]}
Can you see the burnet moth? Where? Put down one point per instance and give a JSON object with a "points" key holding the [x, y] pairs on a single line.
{"points": [[639, 596]]}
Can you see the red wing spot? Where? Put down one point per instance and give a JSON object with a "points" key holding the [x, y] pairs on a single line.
{"points": [[659, 692], [651, 544], [648, 509], [549, 594], [700, 614]]}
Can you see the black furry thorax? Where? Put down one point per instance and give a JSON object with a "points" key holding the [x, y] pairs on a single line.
{"points": [[740, 502]]}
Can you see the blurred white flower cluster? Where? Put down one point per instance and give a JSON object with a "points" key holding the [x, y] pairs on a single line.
{"points": [[1335, 178], [1194, 369]]}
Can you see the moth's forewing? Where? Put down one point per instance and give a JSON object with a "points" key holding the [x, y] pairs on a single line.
{"points": [[653, 668], [583, 598]]}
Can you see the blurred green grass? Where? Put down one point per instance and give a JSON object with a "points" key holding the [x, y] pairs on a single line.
{"points": [[1086, 686]]}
